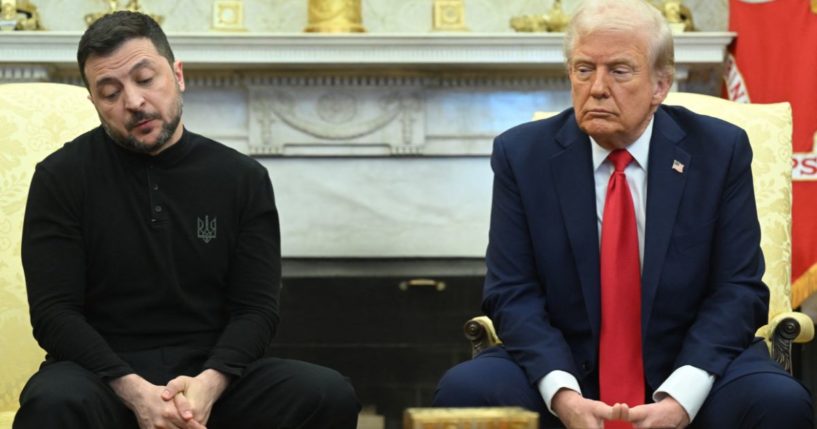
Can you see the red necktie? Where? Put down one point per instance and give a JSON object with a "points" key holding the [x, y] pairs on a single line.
{"points": [[621, 366]]}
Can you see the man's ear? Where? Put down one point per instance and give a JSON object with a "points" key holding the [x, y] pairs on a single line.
{"points": [[178, 72], [663, 84]]}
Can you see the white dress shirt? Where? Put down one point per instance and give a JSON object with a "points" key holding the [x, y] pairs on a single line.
{"points": [[688, 385]]}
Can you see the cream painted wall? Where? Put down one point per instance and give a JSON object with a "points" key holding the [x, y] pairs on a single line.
{"points": [[379, 16]]}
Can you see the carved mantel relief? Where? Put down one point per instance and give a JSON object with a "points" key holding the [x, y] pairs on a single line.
{"points": [[343, 120]]}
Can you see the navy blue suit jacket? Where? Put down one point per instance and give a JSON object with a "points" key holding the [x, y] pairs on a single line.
{"points": [[702, 294]]}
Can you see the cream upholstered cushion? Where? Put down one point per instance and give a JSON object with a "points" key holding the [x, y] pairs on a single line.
{"points": [[769, 127], [35, 120]]}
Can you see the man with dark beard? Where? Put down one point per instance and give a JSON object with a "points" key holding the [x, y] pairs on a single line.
{"points": [[152, 262]]}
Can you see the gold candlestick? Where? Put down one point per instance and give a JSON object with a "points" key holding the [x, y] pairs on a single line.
{"points": [[335, 16]]}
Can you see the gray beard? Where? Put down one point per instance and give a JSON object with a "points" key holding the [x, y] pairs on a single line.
{"points": [[132, 144]]}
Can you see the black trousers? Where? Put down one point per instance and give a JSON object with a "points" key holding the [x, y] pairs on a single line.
{"points": [[271, 393]]}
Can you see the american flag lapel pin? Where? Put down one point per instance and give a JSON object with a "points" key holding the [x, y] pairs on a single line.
{"points": [[677, 166]]}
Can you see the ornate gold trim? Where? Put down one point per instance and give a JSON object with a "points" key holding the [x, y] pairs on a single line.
{"points": [[228, 15], [462, 418], [334, 16], [805, 285], [449, 15]]}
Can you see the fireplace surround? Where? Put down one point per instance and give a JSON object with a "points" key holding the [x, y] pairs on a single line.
{"points": [[392, 326]]}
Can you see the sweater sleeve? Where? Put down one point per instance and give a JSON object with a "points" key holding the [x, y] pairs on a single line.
{"points": [[254, 283], [54, 263]]}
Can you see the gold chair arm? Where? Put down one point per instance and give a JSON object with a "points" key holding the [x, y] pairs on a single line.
{"points": [[480, 331], [783, 330]]}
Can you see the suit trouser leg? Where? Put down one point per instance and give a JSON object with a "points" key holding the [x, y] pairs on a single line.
{"points": [[492, 378], [65, 395], [756, 393], [283, 394], [753, 393]]}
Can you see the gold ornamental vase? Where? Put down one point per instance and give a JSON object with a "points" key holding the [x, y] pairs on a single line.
{"points": [[335, 16]]}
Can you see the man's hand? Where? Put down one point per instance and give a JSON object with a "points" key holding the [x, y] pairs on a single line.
{"points": [[577, 412], [145, 400], [666, 413], [194, 396]]}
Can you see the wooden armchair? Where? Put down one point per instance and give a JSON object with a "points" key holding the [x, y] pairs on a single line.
{"points": [[770, 132], [35, 120]]}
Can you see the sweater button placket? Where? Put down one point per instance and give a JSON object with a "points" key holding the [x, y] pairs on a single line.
{"points": [[155, 200]]}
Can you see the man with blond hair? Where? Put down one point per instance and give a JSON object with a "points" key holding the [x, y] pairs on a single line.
{"points": [[624, 262]]}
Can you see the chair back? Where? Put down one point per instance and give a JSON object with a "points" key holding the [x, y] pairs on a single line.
{"points": [[35, 120]]}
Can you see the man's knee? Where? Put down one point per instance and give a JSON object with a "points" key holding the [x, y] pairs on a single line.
{"points": [[460, 386], [289, 393], [68, 395], [491, 379], [760, 400], [49, 387], [783, 401], [327, 391]]}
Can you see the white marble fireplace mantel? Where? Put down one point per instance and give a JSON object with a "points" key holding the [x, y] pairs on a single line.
{"points": [[231, 50], [376, 144]]}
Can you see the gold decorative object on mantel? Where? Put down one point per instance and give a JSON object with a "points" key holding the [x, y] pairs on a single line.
{"points": [[19, 15], [334, 16], [449, 15], [554, 21], [678, 16], [228, 15], [529, 23], [557, 19], [113, 6]]}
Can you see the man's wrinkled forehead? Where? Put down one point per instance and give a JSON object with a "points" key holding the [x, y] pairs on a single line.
{"points": [[145, 63]]}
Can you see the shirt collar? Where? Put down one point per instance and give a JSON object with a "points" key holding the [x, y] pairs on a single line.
{"points": [[640, 149]]}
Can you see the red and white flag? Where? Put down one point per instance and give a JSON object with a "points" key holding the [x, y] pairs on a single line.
{"points": [[774, 59]]}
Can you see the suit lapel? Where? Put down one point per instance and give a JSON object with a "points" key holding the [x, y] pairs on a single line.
{"points": [[572, 170], [665, 186]]}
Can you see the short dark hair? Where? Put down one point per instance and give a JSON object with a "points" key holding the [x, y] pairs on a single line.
{"points": [[109, 32]]}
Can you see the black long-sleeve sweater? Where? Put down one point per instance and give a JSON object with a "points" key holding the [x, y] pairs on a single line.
{"points": [[126, 252]]}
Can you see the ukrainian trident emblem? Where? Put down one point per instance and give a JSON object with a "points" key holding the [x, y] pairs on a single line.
{"points": [[206, 229]]}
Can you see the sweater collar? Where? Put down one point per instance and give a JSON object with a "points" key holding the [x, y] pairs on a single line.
{"points": [[166, 158]]}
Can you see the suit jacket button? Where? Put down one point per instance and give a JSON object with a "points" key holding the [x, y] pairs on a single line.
{"points": [[586, 366]]}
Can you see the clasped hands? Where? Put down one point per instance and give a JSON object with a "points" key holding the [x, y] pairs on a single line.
{"points": [[575, 411], [185, 403]]}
